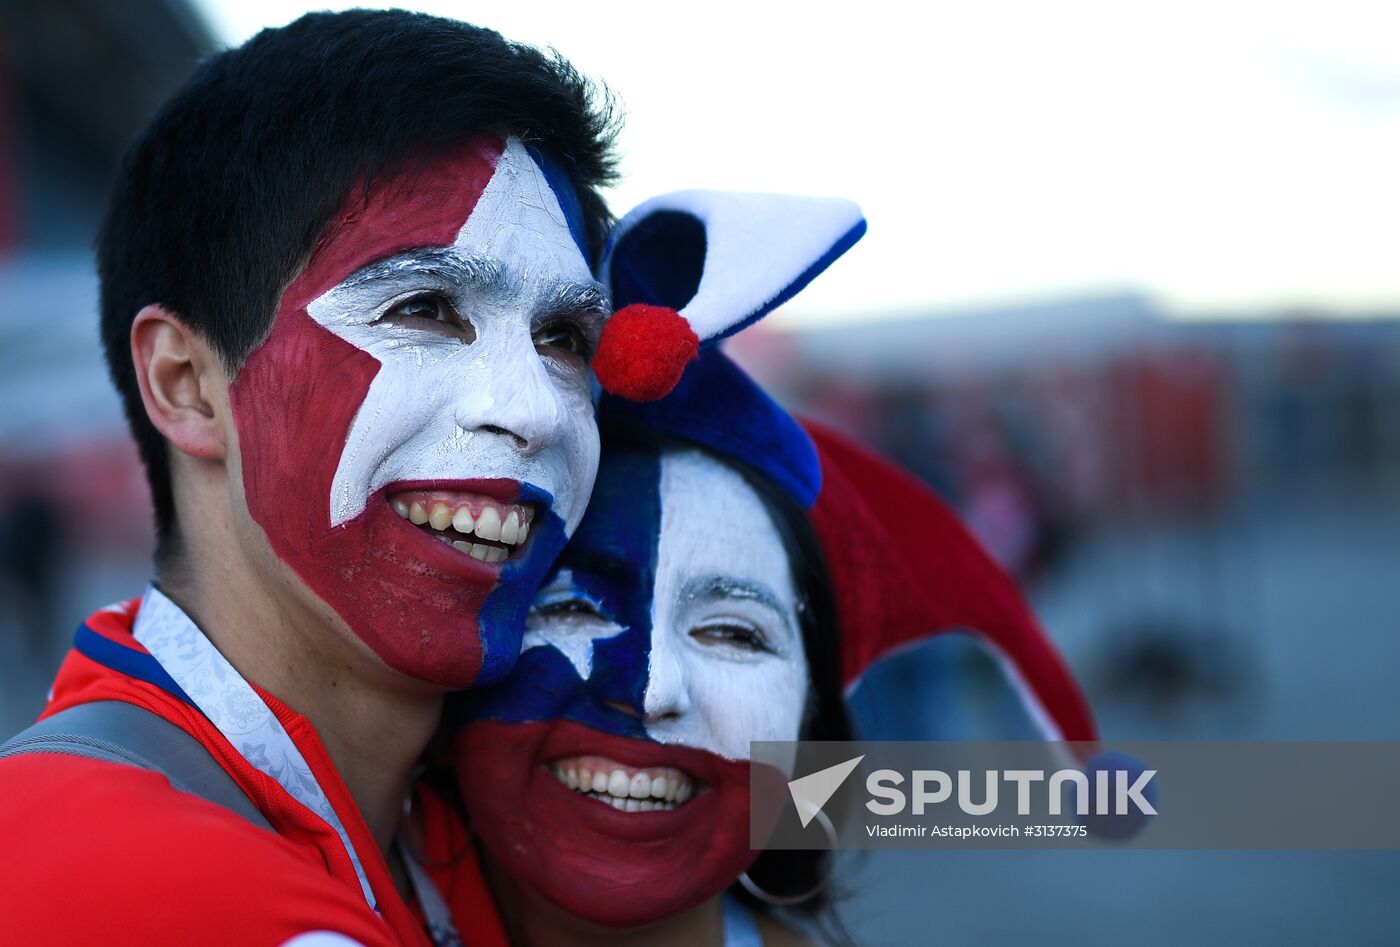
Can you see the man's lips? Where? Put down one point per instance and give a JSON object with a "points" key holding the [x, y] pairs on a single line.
{"points": [[625, 788], [474, 523]]}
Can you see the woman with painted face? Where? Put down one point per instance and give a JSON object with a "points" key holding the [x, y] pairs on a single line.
{"points": [[607, 778]]}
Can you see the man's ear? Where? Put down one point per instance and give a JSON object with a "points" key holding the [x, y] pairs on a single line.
{"points": [[182, 381]]}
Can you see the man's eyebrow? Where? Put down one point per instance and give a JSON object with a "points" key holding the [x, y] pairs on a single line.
{"points": [[449, 265], [442, 263], [564, 298], [586, 302]]}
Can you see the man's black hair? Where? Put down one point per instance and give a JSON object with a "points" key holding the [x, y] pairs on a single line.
{"points": [[220, 200]]}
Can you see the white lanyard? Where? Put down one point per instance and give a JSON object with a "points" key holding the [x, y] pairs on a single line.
{"points": [[246, 721], [235, 708], [439, 919]]}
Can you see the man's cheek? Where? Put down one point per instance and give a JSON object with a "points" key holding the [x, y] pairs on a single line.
{"points": [[391, 449], [293, 401], [585, 453]]}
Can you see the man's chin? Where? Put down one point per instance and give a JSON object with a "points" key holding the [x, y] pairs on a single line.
{"points": [[428, 609]]}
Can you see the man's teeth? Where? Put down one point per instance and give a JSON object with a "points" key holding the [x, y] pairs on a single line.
{"points": [[507, 524], [488, 524], [624, 788]]}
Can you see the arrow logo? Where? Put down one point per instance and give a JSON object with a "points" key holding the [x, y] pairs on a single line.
{"points": [[812, 791]]}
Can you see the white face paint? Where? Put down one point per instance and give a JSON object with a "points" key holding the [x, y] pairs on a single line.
{"points": [[727, 662], [487, 396]]}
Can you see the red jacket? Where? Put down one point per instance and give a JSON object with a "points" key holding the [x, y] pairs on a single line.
{"points": [[97, 852]]}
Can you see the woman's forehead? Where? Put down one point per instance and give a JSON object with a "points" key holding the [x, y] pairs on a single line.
{"points": [[713, 522], [671, 515], [648, 485]]}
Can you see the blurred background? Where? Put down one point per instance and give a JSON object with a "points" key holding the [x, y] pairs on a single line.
{"points": [[1130, 301]]}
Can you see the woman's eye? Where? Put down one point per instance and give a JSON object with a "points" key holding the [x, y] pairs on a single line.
{"points": [[570, 608], [564, 336], [429, 307], [732, 635]]}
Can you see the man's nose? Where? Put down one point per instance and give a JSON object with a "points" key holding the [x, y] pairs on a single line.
{"points": [[518, 400]]}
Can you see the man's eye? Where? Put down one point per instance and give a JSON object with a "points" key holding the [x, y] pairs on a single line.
{"points": [[564, 336], [429, 307], [731, 635]]}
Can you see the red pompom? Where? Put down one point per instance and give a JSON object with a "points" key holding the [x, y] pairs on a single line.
{"points": [[643, 351]]}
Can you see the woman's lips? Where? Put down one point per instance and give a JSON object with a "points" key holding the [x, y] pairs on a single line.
{"points": [[696, 780], [625, 788], [609, 866]]}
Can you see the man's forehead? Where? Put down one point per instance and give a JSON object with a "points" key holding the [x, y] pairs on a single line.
{"points": [[466, 196], [519, 217]]}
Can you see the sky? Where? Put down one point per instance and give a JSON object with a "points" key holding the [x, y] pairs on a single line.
{"points": [[1225, 157]]}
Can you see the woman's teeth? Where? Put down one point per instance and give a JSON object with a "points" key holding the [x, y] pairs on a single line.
{"points": [[502, 525], [623, 787]]}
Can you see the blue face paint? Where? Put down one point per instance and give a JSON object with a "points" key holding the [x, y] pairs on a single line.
{"points": [[564, 193], [503, 613], [611, 563]]}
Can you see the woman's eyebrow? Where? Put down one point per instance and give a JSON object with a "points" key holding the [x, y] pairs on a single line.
{"points": [[584, 561], [731, 587]]}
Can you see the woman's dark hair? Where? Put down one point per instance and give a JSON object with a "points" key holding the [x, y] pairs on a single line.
{"points": [[793, 872]]}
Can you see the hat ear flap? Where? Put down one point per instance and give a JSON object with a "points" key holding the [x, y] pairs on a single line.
{"points": [[710, 262], [657, 260]]}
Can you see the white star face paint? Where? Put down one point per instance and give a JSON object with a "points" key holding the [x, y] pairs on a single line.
{"points": [[490, 402], [710, 601], [727, 663], [435, 345], [566, 618]]}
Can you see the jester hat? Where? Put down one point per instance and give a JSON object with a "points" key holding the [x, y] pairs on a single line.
{"points": [[692, 268]]}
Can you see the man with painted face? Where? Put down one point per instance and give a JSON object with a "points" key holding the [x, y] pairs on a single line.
{"points": [[347, 301]]}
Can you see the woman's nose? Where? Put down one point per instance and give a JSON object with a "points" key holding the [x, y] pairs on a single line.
{"points": [[668, 695]]}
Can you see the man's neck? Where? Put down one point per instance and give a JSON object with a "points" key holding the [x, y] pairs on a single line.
{"points": [[373, 722]]}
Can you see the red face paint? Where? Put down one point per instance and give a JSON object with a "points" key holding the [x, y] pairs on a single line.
{"points": [[617, 869]]}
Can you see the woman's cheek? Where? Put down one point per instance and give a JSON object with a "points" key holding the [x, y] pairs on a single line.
{"points": [[743, 704]]}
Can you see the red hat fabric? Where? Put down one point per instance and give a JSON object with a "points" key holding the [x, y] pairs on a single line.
{"points": [[904, 569]]}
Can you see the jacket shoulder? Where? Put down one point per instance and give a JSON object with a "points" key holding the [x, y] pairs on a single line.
{"points": [[103, 852]]}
